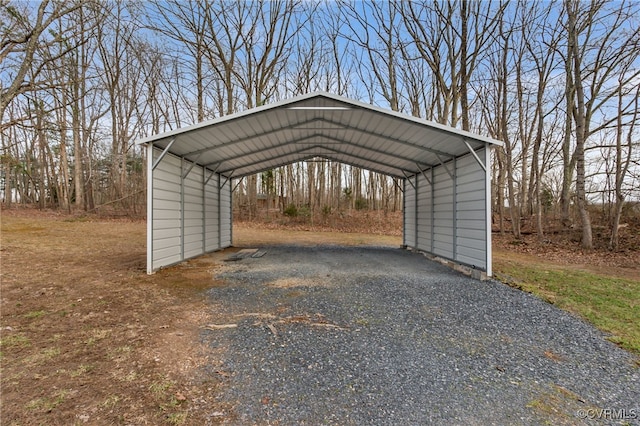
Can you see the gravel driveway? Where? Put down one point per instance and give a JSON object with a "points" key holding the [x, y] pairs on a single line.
{"points": [[383, 336]]}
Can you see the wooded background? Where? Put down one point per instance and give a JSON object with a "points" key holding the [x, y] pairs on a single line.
{"points": [[557, 82]]}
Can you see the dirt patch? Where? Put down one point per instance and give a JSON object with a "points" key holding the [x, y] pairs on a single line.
{"points": [[296, 282], [88, 337]]}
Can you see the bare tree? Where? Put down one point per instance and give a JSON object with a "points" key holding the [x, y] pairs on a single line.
{"points": [[186, 23], [373, 29], [598, 47], [267, 42], [122, 79], [24, 34], [451, 37], [58, 33], [542, 52], [623, 156]]}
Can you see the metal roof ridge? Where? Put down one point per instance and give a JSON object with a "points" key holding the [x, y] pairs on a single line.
{"points": [[319, 94]]}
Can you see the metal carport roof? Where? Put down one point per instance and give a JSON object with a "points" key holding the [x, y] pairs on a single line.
{"points": [[318, 125]]}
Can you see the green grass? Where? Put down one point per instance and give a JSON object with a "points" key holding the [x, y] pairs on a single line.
{"points": [[611, 304], [169, 402], [47, 404], [14, 341]]}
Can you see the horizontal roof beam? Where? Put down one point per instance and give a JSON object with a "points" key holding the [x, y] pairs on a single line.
{"points": [[271, 167], [315, 135], [363, 165], [354, 164], [364, 159], [312, 156]]}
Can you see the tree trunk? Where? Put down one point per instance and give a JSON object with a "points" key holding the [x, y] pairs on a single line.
{"points": [[581, 131], [622, 165]]}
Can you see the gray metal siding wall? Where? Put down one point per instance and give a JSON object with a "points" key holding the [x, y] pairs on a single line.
{"points": [[442, 212], [212, 213], [451, 216], [409, 215], [166, 212], [471, 234], [424, 216], [190, 214], [193, 211], [225, 212]]}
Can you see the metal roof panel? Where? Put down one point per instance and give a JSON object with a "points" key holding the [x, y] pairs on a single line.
{"points": [[319, 124]]}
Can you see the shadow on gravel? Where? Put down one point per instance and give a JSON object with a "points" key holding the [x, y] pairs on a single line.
{"points": [[335, 335]]}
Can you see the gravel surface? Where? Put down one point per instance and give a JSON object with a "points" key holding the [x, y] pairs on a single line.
{"points": [[383, 336]]}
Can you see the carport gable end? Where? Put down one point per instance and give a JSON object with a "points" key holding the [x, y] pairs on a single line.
{"points": [[446, 173]]}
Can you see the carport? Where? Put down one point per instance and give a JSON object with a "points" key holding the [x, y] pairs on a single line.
{"points": [[446, 173]]}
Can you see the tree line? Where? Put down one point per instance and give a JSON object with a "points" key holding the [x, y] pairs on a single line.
{"points": [[557, 82]]}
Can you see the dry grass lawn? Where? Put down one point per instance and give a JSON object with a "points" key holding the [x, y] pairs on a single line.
{"points": [[89, 338]]}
